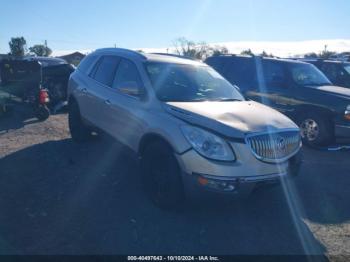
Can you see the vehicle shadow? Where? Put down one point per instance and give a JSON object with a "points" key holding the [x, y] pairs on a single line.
{"points": [[323, 186], [63, 198], [17, 117]]}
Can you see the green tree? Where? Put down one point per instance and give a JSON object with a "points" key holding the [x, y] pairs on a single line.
{"points": [[18, 46], [40, 50], [325, 54], [311, 55], [197, 50], [219, 50], [185, 47], [264, 54], [247, 52]]}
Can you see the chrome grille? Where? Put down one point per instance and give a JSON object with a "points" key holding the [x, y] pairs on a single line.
{"points": [[274, 146]]}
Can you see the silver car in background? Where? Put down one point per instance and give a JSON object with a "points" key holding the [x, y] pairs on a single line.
{"points": [[193, 131]]}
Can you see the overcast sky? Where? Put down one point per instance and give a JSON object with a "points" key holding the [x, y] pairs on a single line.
{"points": [[272, 25]]}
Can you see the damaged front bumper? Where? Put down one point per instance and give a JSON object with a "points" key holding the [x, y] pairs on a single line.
{"points": [[235, 178]]}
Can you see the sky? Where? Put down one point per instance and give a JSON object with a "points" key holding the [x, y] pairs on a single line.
{"points": [[285, 26]]}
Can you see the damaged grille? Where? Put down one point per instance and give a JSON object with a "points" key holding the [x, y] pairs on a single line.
{"points": [[275, 146]]}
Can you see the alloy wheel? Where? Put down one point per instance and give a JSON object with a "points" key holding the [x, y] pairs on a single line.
{"points": [[309, 129]]}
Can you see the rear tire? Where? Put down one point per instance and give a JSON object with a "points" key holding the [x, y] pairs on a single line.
{"points": [[79, 131], [316, 129], [42, 112], [162, 176]]}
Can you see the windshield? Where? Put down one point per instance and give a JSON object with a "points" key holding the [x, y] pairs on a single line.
{"points": [[347, 68], [189, 83], [307, 75]]}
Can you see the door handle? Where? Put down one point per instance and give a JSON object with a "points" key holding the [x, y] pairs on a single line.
{"points": [[107, 102]]}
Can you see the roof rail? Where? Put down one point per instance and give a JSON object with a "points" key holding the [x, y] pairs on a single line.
{"points": [[121, 50], [316, 59], [235, 55], [173, 55], [225, 55]]}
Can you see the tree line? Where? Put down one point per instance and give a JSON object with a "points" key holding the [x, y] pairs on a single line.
{"points": [[181, 46], [201, 50], [18, 48]]}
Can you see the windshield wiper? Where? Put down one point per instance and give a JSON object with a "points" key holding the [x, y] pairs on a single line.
{"points": [[319, 84]]}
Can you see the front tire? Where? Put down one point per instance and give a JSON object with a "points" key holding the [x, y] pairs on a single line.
{"points": [[79, 131], [316, 129], [162, 176]]}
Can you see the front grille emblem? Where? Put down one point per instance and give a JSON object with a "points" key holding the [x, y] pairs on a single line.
{"points": [[274, 147], [281, 144]]}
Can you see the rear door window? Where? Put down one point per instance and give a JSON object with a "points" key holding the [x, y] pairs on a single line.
{"points": [[105, 70], [274, 74], [86, 64], [240, 72]]}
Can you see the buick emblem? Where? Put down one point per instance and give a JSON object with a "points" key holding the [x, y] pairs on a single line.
{"points": [[281, 144]]}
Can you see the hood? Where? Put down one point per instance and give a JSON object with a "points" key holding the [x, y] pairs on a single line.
{"points": [[232, 119], [335, 90]]}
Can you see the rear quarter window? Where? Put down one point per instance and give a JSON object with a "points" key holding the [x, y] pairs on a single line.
{"points": [[106, 69], [274, 73], [86, 64]]}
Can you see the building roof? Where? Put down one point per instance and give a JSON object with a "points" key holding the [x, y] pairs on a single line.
{"points": [[72, 55]]}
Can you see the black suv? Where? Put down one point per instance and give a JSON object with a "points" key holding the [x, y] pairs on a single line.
{"points": [[336, 71], [295, 88], [55, 74]]}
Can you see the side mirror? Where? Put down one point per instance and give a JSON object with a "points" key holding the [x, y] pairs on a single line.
{"points": [[130, 88]]}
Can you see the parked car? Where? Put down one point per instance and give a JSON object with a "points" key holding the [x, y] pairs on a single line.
{"points": [[337, 72], [295, 88], [55, 76], [21, 82], [344, 57], [193, 130]]}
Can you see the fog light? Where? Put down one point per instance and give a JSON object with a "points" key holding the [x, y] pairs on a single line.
{"points": [[216, 184], [203, 181]]}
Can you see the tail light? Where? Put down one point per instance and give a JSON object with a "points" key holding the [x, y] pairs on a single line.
{"points": [[43, 97]]}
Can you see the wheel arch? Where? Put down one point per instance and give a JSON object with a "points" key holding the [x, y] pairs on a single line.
{"points": [[309, 109], [72, 99], [150, 138]]}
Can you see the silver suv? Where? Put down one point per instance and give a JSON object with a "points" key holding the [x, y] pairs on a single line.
{"points": [[193, 130]]}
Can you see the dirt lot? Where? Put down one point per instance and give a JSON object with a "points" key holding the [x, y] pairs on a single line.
{"points": [[57, 197]]}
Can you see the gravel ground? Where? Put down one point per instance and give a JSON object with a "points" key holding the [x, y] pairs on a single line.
{"points": [[57, 197]]}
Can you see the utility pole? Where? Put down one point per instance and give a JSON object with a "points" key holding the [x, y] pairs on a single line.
{"points": [[46, 48]]}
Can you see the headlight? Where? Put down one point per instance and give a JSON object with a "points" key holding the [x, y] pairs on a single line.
{"points": [[347, 113], [207, 144]]}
